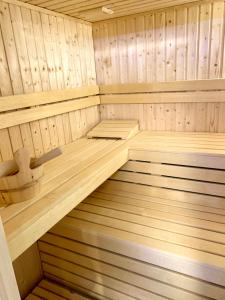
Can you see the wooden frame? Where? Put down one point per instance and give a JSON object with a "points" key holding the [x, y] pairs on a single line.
{"points": [[8, 285]]}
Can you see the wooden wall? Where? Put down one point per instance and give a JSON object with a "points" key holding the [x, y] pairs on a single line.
{"points": [[181, 43], [40, 51]]}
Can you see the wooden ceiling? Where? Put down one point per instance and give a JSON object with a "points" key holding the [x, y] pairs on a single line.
{"points": [[91, 10]]}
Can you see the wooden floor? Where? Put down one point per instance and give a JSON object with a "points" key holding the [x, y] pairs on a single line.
{"points": [[68, 179], [154, 230], [49, 290]]}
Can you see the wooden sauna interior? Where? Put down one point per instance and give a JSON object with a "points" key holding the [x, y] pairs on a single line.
{"points": [[133, 93]]}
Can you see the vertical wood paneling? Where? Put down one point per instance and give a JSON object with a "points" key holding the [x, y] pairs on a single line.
{"points": [[170, 46], [160, 47], [204, 40], [217, 42], [188, 43], [180, 43], [150, 47], [40, 52], [192, 42]]}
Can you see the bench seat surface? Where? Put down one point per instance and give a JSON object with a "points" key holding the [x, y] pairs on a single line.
{"points": [[155, 229], [67, 180]]}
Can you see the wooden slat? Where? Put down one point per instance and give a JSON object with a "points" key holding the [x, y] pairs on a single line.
{"points": [[179, 198], [62, 291], [32, 297], [172, 182], [40, 218], [171, 86], [134, 266], [187, 97], [121, 288], [8, 286], [60, 275], [35, 99], [113, 271], [32, 114], [194, 263], [117, 129], [45, 294], [175, 171], [42, 10], [156, 212], [177, 157], [179, 43]]}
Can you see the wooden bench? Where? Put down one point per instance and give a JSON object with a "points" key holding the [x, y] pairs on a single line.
{"points": [[155, 230], [84, 165]]}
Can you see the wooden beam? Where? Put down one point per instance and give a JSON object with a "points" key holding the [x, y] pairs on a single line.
{"points": [[8, 285], [173, 97], [38, 113], [173, 86], [34, 99]]}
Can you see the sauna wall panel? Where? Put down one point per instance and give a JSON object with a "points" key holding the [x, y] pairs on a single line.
{"points": [[42, 51], [181, 43]]}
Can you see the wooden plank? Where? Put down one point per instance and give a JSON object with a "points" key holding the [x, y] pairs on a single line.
{"points": [[42, 10], [62, 291], [170, 45], [135, 266], [117, 130], [74, 190], [34, 99], [199, 160], [175, 171], [32, 297], [26, 275], [192, 42], [47, 251], [151, 209], [122, 289], [160, 46], [32, 114], [180, 197], [204, 40], [53, 272], [216, 40], [195, 264], [173, 86], [8, 285], [45, 294], [177, 97], [144, 226]]}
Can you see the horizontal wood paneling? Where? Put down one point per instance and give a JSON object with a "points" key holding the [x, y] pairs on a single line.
{"points": [[38, 113], [175, 44], [187, 97], [40, 52], [159, 87], [29, 100]]}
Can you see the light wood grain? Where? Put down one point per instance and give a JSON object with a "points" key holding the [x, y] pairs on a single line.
{"points": [[181, 43], [9, 289], [119, 129]]}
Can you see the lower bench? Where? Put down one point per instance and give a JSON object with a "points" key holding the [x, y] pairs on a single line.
{"points": [[50, 290], [155, 230]]}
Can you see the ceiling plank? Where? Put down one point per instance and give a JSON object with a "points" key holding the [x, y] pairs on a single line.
{"points": [[91, 10]]}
